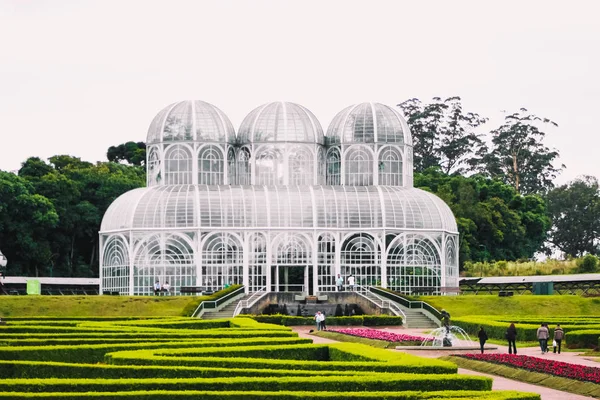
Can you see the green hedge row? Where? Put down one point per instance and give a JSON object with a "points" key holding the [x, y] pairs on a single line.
{"points": [[380, 382], [282, 395], [96, 353], [583, 339], [358, 320], [44, 370], [343, 356]]}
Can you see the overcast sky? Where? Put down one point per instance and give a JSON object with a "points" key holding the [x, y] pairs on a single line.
{"points": [[77, 77]]}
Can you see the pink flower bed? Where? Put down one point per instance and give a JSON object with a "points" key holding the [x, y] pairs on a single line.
{"points": [[380, 335], [556, 368]]}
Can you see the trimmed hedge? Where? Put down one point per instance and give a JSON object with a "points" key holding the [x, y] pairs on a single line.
{"points": [[282, 395], [357, 320], [583, 338], [383, 382]]}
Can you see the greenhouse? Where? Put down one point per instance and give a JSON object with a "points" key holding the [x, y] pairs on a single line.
{"points": [[279, 206]]}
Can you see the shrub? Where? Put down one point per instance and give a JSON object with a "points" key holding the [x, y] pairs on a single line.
{"points": [[587, 264]]}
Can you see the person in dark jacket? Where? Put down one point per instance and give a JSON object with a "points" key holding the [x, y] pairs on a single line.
{"points": [[511, 336], [559, 335], [483, 337]]}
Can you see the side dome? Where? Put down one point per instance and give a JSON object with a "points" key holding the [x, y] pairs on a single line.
{"points": [[280, 122], [190, 120], [369, 123]]}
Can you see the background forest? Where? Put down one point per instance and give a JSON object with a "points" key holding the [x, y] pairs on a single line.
{"points": [[499, 185]]}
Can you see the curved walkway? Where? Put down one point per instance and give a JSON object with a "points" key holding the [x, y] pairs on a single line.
{"points": [[500, 383]]}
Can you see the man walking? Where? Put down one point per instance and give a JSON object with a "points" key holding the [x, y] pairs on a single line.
{"points": [[559, 334], [543, 335]]}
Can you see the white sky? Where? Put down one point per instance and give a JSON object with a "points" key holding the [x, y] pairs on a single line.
{"points": [[77, 77]]}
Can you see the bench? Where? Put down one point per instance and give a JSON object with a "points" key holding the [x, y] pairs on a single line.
{"points": [[504, 293], [195, 289]]}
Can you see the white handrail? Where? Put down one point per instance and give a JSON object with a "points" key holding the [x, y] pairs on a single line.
{"points": [[380, 301], [250, 301]]}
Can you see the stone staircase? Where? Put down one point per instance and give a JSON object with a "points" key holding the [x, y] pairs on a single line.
{"points": [[225, 312], [415, 319]]}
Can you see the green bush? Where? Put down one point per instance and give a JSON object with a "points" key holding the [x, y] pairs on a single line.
{"points": [[587, 264], [382, 320], [583, 338]]}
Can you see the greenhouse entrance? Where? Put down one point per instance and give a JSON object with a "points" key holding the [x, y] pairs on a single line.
{"points": [[292, 278]]}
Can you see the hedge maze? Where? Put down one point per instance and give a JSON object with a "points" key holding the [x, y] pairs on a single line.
{"points": [[182, 358], [580, 332]]}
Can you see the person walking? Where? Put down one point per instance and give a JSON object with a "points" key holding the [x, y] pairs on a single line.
{"points": [[483, 337], [542, 336], [339, 282], [318, 320], [559, 335], [511, 336]]}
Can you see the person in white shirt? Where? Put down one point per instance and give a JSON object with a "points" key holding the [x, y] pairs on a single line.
{"points": [[339, 282], [156, 288], [167, 288], [351, 282]]}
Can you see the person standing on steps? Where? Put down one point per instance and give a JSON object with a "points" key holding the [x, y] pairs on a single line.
{"points": [[483, 337], [511, 336], [542, 336], [559, 335], [351, 282], [339, 282]]}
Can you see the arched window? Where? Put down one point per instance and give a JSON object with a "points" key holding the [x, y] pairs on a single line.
{"points": [[243, 166], [359, 166], [222, 261], [333, 167], [301, 166], [178, 166], [115, 265], [360, 257], [326, 263], [269, 167], [231, 170], [413, 262], [154, 176], [210, 166], [390, 167]]}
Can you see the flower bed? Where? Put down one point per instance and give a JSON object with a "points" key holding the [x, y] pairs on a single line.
{"points": [[556, 368], [381, 335]]}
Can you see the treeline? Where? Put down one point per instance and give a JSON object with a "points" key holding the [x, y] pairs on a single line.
{"points": [[499, 186], [50, 213]]}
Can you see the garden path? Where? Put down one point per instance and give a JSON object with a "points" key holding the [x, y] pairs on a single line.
{"points": [[500, 383]]}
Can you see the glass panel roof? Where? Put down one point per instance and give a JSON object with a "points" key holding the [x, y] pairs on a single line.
{"points": [[201, 206]]}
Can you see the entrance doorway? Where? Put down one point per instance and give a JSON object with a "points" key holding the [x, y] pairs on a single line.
{"points": [[292, 278]]}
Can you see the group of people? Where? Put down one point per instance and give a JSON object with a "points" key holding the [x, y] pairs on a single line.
{"points": [[543, 334], [339, 283], [320, 321], [158, 288]]}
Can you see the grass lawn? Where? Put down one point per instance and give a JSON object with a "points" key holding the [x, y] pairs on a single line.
{"points": [[92, 306], [556, 305]]}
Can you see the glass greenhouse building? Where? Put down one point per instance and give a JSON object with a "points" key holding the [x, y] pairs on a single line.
{"points": [[279, 206]]}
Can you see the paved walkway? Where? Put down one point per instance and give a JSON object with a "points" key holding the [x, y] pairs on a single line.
{"points": [[500, 383]]}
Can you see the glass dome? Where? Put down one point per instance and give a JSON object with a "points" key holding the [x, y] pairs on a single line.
{"points": [[191, 120], [369, 123], [280, 122]]}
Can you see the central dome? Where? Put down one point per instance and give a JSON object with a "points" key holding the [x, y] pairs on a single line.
{"points": [[280, 122]]}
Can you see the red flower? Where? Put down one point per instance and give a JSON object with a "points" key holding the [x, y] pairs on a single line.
{"points": [[381, 335]]}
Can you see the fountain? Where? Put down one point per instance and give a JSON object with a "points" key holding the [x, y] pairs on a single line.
{"points": [[449, 336]]}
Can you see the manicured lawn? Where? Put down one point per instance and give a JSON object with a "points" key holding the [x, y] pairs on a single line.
{"points": [[92, 306], [527, 305]]}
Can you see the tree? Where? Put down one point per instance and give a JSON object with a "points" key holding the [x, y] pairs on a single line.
{"points": [[131, 152], [443, 134], [518, 156], [26, 221], [575, 212], [494, 222]]}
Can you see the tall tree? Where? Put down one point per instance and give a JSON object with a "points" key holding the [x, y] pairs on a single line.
{"points": [[130, 152], [494, 222], [575, 212], [443, 134], [519, 157]]}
